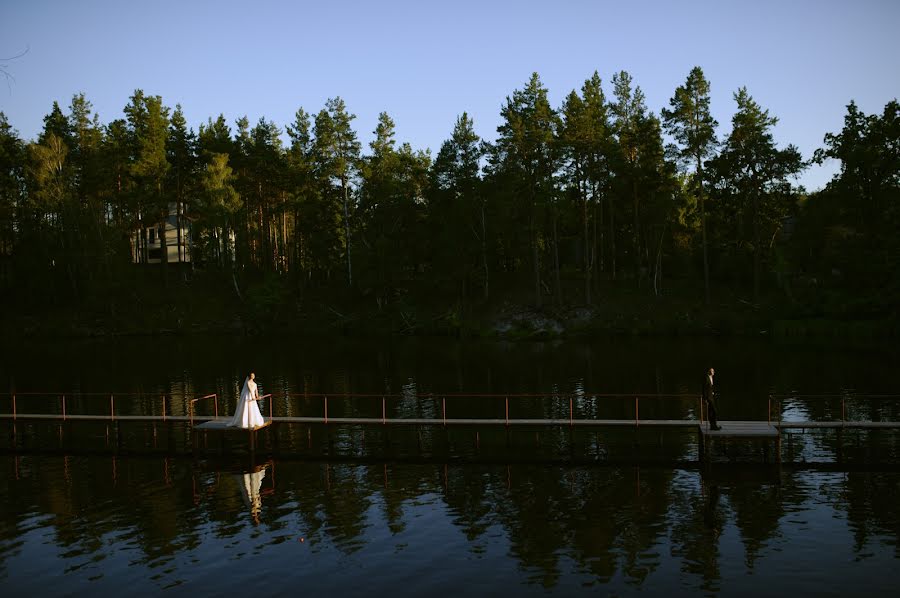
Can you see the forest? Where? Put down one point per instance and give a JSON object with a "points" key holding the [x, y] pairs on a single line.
{"points": [[647, 222]]}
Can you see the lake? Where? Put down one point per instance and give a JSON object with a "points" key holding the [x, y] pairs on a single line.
{"points": [[362, 510]]}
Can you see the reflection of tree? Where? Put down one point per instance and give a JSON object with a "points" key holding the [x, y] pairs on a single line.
{"points": [[699, 519], [870, 501], [93, 498], [468, 495], [618, 514], [393, 495], [531, 513], [344, 504], [614, 523], [758, 508]]}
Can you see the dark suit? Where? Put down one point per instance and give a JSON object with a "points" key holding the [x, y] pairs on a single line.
{"points": [[709, 397]]}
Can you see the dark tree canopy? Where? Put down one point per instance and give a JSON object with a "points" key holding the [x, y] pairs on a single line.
{"points": [[570, 205]]}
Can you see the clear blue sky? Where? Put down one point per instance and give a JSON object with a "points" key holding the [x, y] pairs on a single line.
{"points": [[426, 62]]}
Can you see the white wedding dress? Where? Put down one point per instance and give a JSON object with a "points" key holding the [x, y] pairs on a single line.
{"points": [[250, 484], [247, 414]]}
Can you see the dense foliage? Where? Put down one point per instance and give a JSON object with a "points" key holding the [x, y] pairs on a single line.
{"points": [[567, 206]]}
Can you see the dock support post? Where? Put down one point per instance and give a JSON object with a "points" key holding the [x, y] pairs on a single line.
{"points": [[701, 445]]}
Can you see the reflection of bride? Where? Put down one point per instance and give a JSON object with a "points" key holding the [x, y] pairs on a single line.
{"points": [[250, 484], [247, 414]]}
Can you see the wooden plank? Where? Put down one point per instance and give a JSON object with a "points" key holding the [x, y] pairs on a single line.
{"points": [[729, 427], [223, 425], [741, 429], [837, 425]]}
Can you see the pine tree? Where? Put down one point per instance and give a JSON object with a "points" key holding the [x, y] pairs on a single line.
{"points": [[690, 122], [757, 170], [337, 151], [526, 149], [181, 149]]}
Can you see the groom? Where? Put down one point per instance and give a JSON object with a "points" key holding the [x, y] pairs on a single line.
{"points": [[709, 397]]}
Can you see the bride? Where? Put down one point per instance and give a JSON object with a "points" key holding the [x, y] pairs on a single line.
{"points": [[247, 414]]}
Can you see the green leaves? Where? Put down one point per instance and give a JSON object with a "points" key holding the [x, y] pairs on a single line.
{"points": [[689, 120]]}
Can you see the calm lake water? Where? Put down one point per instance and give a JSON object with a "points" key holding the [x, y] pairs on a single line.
{"points": [[362, 511]]}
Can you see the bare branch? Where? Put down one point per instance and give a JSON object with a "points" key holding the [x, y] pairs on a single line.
{"points": [[4, 66]]}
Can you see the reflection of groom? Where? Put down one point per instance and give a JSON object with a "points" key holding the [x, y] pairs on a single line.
{"points": [[709, 397]]}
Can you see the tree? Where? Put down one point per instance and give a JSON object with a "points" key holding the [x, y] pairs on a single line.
{"points": [[148, 122], [757, 170], [869, 153], [582, 131], [598, 146], [12, 192], [337, 153], [457, 209], [218, 201], [847, 235], [265, 181], [181, 150], [304, 197], [526, 149], [390, 211], [641, 172], [691, 124]]}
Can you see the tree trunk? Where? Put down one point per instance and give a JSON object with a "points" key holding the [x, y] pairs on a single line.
{"points": [[484, 259], [756, 244], [535, 256], [637, 232], [587, 250], [599, 237], [703, 228], [163, 236], [347, 230], [612, 236], [657, 272], [556, 260]]}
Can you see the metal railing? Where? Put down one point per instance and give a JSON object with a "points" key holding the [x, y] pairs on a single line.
{"points": [[778, 401], [215, 399], [509, 400]]}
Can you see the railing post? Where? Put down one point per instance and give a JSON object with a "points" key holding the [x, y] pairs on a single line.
{"points": [[164, 407], [570, 411], [444, 409], [14, 405], [636, 418], [64, 406], [326, 408], [216, 404], [507, 411], [191, 412], [112, 408], [383, 411]]}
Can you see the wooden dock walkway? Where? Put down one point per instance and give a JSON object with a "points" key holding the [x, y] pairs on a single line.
{"points": [[729, 428], [740, 429], [752, 430], [202, 425]]}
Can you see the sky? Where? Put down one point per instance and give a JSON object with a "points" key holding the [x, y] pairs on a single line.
{"points": [[426, 62]]}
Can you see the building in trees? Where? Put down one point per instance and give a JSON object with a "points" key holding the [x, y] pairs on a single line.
{"points": [[178, 240]]}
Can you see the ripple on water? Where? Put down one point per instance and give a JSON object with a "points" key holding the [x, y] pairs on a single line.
{"points": [[417, 529]]}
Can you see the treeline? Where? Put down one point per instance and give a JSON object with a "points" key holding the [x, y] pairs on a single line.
{"points": [[568, 204]]}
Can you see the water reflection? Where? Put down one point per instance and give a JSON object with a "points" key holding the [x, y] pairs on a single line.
{"points": [[101, 524], [250, 483], [749, 370]]}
